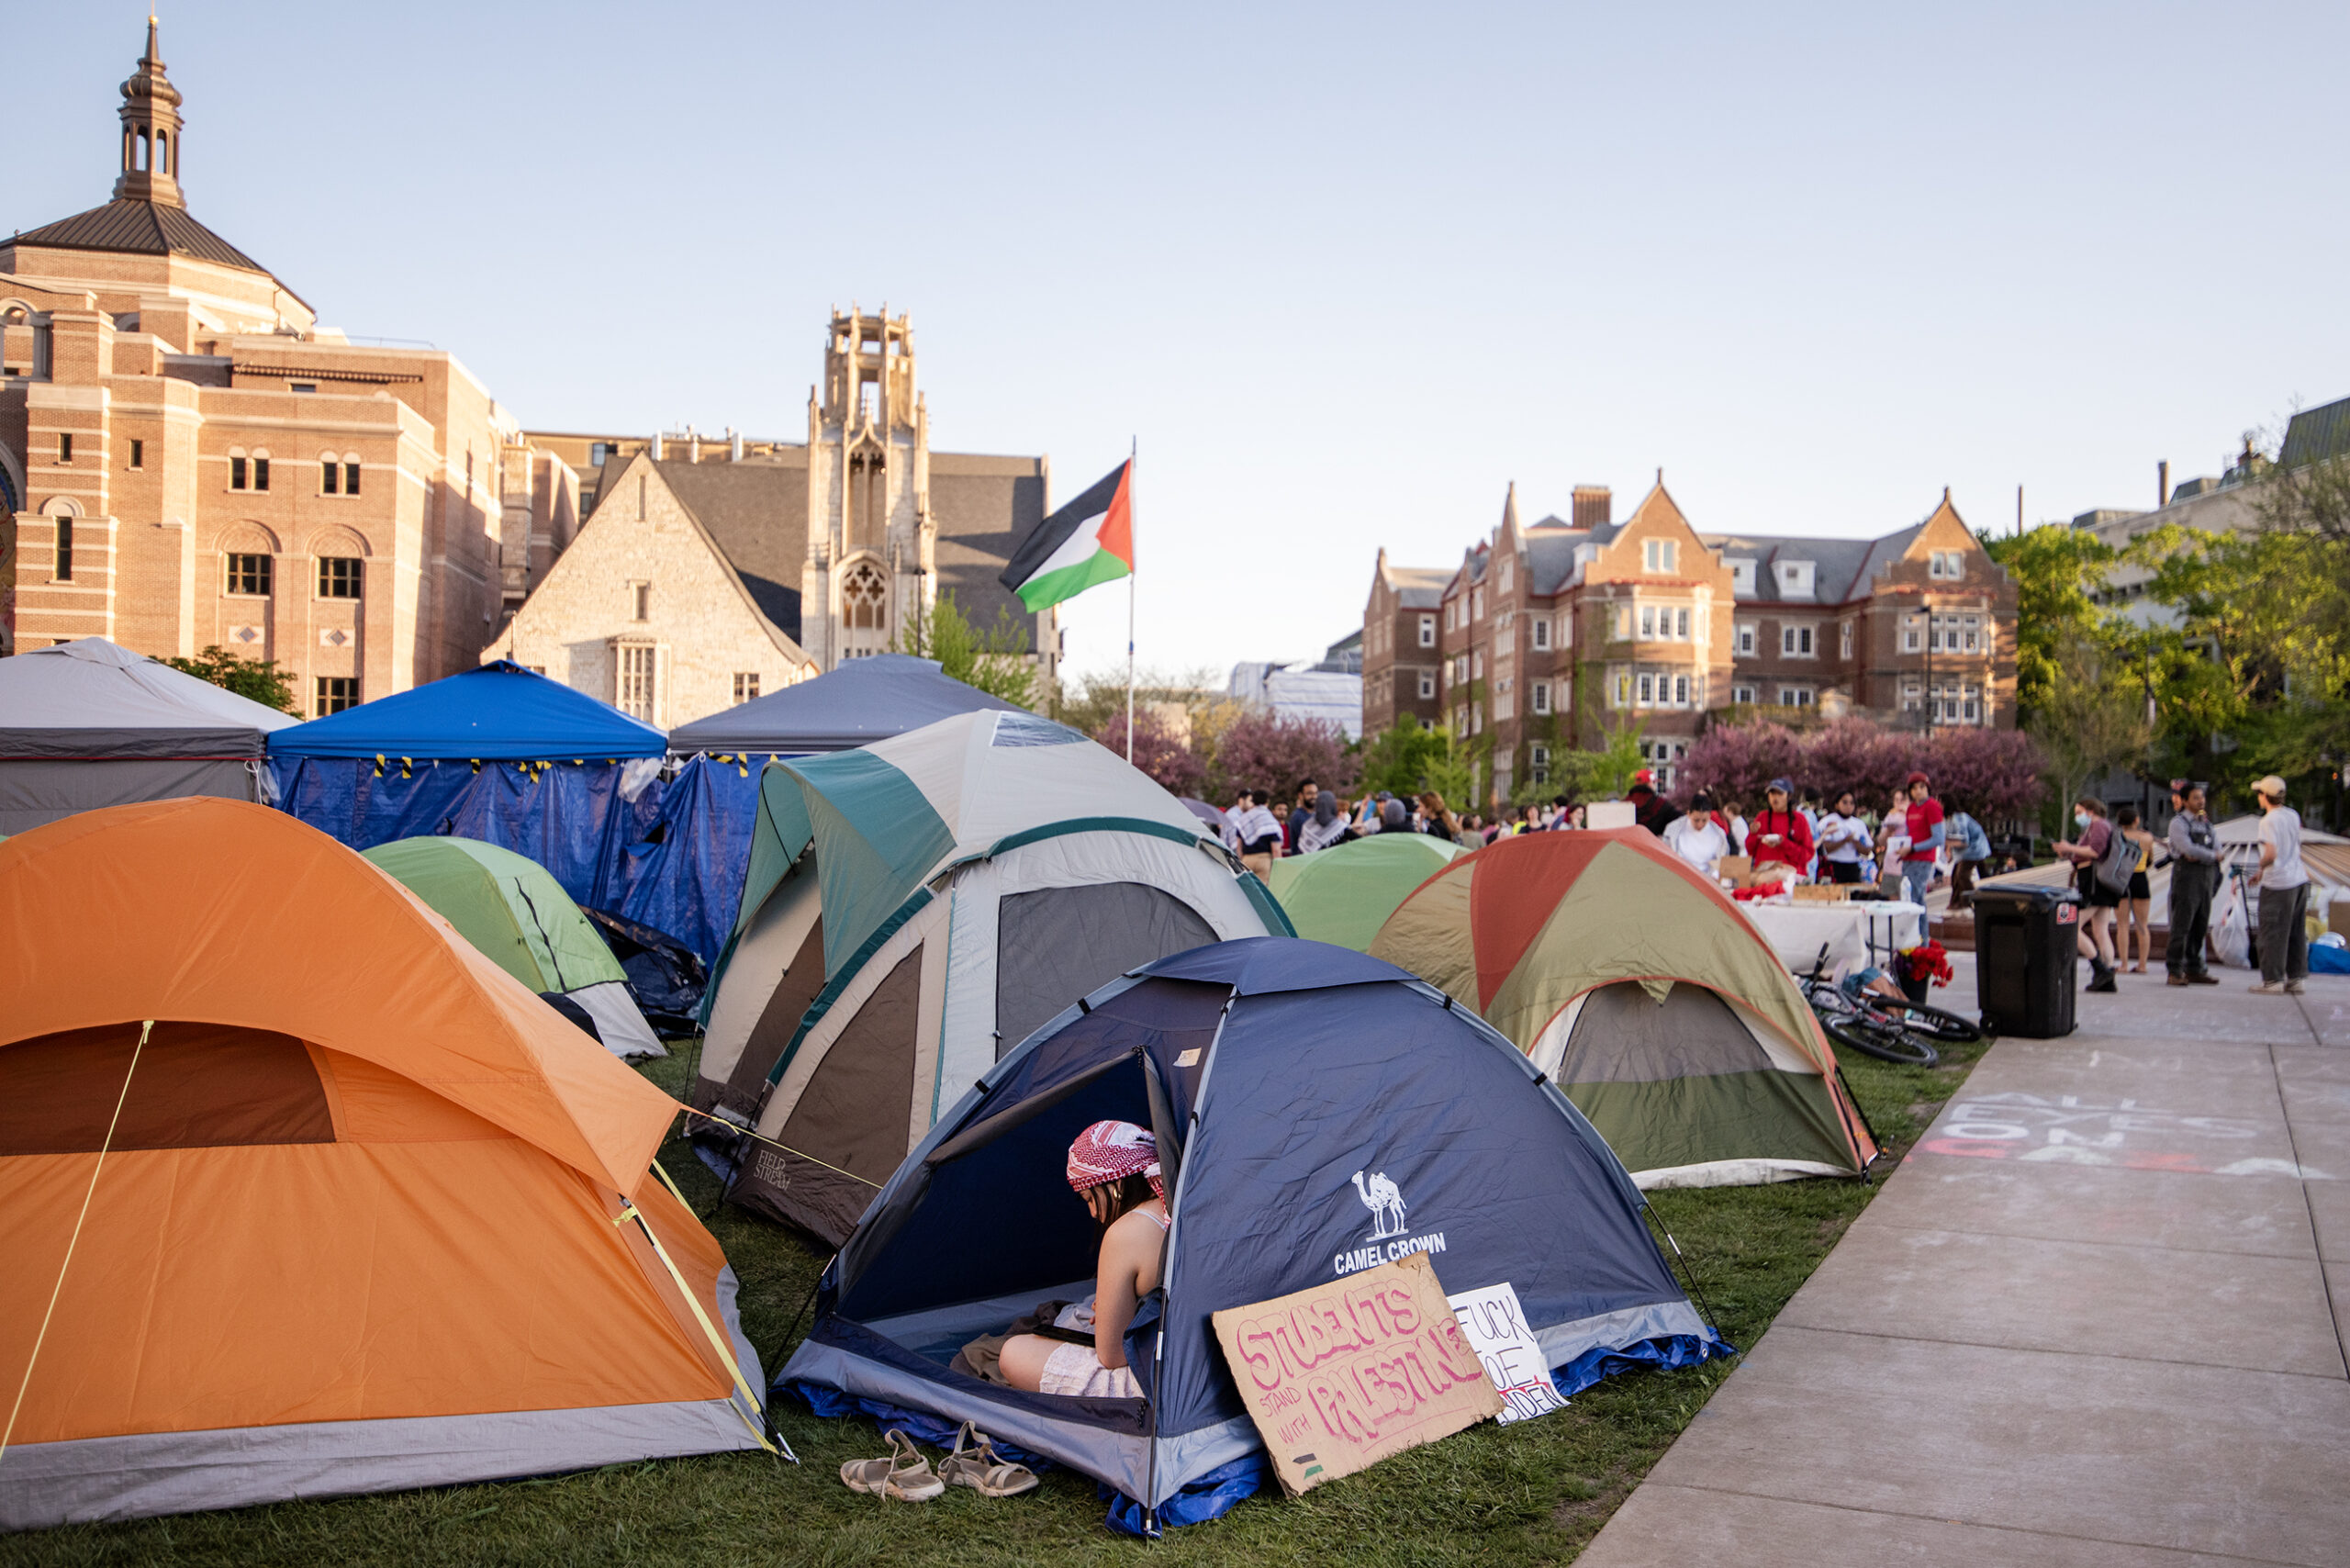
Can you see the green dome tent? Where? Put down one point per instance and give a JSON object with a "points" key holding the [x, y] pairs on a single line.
{"points": [[513, 910], [1344, 894]]}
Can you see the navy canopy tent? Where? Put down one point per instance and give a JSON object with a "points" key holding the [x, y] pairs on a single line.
{"points": [[682, 871], [1317, 1112], [498, 754]]}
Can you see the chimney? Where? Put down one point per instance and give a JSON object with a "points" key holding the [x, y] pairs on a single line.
{"points": [[1594, 507], [2161, 485], [734, 441], [659, 446]]}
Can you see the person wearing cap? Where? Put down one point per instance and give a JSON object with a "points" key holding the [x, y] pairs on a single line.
{"points": [[2284, 894], [1650, 810], [1778, 834], [2194, 878], [1114, 1168]]}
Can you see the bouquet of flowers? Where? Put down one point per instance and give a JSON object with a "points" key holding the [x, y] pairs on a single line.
{"points": [[1926, 961]]}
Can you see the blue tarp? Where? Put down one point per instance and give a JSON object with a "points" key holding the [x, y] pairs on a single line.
{"points": [[862, 701], [559, 817], [676, 860], [501, 711], [1339, 1113]]}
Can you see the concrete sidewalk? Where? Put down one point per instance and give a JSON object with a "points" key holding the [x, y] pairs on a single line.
{"points": [[2097, 1317]]}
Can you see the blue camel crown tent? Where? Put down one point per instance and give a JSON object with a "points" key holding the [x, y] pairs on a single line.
{"points": [[1317, 1112], [681, 871], [500, 753], [915, 909]]}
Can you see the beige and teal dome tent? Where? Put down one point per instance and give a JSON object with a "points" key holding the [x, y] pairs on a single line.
{"points": [[1342, 895], [1645, 995], [915, 909], [515, 912]]}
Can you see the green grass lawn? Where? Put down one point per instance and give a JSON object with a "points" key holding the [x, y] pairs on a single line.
{"points": [[1534, 1492]]}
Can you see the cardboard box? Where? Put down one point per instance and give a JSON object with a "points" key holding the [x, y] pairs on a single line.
{"points": [[2337, 917], [1738, 870], [1823, 893]]}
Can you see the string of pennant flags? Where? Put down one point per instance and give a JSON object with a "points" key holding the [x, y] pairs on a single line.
{"points": [[385, 761]]}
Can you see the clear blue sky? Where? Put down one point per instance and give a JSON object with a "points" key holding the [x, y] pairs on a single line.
{"points": [[1344, 272]]}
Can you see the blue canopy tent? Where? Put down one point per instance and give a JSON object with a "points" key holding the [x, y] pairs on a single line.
{"points": [[499, 753], [682, 871], [1290, 1085]]}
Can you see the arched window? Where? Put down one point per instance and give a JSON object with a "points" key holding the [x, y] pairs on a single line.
{"points": [[162, 153], [865, 600]]}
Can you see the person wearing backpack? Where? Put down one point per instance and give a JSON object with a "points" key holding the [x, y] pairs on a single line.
{"points": [[2104, 860], [1970, 848]]}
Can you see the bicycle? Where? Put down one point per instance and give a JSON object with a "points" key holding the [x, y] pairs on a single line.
{"points": [[1889, 1028]]}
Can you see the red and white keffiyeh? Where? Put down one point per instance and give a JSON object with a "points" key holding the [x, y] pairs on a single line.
{"points": [[1112, 1151]]}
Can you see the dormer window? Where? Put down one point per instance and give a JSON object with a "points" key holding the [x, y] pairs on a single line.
{"points": [[1794, 579], [1741, 579]]}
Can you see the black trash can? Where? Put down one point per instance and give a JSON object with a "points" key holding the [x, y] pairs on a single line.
{"points": [[2025, 960]]}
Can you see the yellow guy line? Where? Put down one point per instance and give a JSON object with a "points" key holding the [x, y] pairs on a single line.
{"points": [[71, 1241], [755, 1138], [629, 1210]]}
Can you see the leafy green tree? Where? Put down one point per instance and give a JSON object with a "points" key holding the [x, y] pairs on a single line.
{"points": [[2056, 570], [996, 660], [2092, 720], [259, 680]]}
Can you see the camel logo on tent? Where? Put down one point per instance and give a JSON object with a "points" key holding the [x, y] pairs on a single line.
{"points": [[1389, 1239], [1386, 1202]]}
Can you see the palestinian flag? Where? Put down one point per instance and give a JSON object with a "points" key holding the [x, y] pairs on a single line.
{"points": [[1090, 540]]}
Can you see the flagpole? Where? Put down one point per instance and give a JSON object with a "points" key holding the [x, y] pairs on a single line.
{"points": [[1133, 446]]}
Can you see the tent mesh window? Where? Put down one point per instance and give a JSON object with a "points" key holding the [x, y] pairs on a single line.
{"points": [[1056, 945]]}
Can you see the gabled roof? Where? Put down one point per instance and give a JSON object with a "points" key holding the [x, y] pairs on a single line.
{"points": [[738, 504], [1417, 588], [140, 228], [1842, 569]]}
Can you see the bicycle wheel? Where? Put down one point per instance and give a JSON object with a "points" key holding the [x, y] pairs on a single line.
{"points": [[1881, 1038], [1946, 1028]]}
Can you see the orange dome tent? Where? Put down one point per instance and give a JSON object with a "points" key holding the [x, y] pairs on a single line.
{"points": [[301, 1195], [1645, 996]]}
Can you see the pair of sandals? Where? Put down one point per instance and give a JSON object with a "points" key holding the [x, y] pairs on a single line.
{"points": [[903, 1474]]}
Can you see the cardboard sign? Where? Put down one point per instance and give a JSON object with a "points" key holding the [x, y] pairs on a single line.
{"points": [[1340, 1376], [1738, 870], [1611, 813], [1494, 1324]]}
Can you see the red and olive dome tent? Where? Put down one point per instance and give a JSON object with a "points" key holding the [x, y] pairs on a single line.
{"points": [[1645, 995]]}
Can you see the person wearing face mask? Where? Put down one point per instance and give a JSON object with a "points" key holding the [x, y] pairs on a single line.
{"points": [[2098, 899]]}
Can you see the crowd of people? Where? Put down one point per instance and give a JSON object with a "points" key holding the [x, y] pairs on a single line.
{"points": [[1908, 845]]}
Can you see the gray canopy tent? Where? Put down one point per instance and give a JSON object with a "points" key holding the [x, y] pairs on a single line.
{"points": [[87, 724]]}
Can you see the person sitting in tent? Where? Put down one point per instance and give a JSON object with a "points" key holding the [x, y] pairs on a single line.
{"points": [[1115, 1167]]}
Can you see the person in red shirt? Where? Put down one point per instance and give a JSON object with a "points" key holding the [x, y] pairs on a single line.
{"points": [[1777, 834], [1925, 815]]}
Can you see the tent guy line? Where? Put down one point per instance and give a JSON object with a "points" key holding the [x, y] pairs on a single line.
{"points": [[146, 1027]]}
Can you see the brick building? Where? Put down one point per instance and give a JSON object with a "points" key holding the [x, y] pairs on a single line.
{"points": [[187, 457], [1558, 634], [1399, 640]]}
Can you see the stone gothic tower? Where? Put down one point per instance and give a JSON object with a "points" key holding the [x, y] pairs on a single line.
{"points": [[872, 544]]}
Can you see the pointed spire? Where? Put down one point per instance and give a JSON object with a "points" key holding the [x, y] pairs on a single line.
{"points": [[1509, 508], [150, 131]]}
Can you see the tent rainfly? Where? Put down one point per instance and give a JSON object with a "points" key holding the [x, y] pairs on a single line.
{"points": [[1345, 893], [513, 910], [85, 724], [325, 1201], [914, 909], [1291, 1086], [1636, 986]]}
